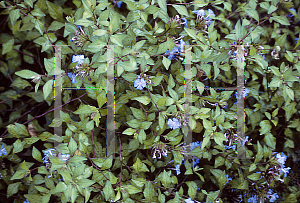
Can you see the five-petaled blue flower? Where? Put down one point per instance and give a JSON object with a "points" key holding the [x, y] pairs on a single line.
{"points": [[253, 199], [272, 197], [189, 200], [228, 178], [3, 151], [78, 58], [73, 77], [139, 83], [174, 123], [26, 201], [281, 158]]}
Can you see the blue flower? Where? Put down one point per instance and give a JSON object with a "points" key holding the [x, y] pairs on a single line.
{"points": [[228, 178], [78, 58], [139, 83], [284, 170], [27, 201], [119, 4], [177, 169], [200, 13], [193, 145], [174, 123], [189, 200], [46, 153], [291, 15], [73, 77], [296, 40], [210, 13], [196, 162], [185, 22], [272, 197], [3, 151], [79, 27], [253, 199], [281, 159], [65, 157], [230, 147]]}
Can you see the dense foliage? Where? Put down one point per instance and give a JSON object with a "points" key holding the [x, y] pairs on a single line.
{"points": [[152, 41]]}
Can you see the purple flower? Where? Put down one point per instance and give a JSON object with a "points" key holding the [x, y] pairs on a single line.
{"points": [[78, 58], [119, 4], [139, 83], [3, 151], [73, 77], [174, 123]]}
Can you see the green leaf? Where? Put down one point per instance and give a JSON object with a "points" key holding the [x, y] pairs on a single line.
{"points": [[19, 174], [143, 99], [254, 176], [142, 136], [101, 98], [192, 189], [166, 62], [47, 88], [163, 5], [55, 25], [99, 32], [270, 140], [18, 146], [172, 93], [36, 154], [140, 166], [253, 13], [85, 109], [84, 183], [108, 190], [191, 33], [129, 131], [14, 15], [181, 10], [265, 127], [55, 11], [219, 138], [290, 93], [281, 19], [38, 13], [56, 122], [12, 189], [8, 46], [117, 38], [272, 9], [72, 145], [138, 114], [260, 153], [238, 29], [161, 120], [27, 74]]}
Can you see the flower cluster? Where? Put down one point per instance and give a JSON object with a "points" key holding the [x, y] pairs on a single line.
{"points": [[202, 20], [63, 157], [175, 21], [179, 48], [271, 196], [81, 68], [3, 151], [174, 123], [81, 37], [160, 149]]}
